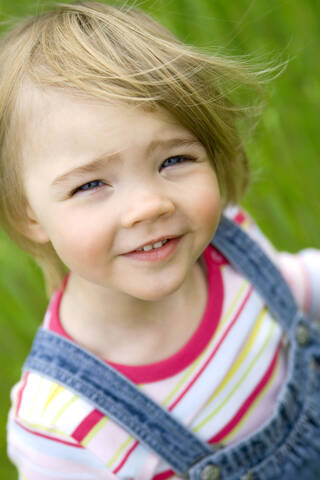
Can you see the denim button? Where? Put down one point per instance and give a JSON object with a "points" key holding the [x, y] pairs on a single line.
{"points": [[210, 472], [302, 335]]}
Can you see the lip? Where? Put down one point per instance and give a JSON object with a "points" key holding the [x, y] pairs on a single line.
{"points": [[156, 254]]}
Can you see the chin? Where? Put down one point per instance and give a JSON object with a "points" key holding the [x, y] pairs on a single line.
{"points": [[157, 293]]}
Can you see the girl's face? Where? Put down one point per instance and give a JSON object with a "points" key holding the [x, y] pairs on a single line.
{"points": [[104, 180]]}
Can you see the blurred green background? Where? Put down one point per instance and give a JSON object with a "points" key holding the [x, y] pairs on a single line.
{"points": [[284, 151]]}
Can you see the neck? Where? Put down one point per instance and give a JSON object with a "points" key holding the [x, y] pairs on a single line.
{"points": [[120, 327]]}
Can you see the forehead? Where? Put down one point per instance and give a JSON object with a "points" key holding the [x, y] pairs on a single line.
{"points": [[59, 123], [41, 107]]}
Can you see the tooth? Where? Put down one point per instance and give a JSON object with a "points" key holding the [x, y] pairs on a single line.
{"points": [[157, 245], [147, 248]]}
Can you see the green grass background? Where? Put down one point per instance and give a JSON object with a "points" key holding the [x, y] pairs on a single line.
{"points": [[284, 151]]}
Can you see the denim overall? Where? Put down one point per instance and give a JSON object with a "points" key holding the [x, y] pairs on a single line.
{"points": [[286, 447]]}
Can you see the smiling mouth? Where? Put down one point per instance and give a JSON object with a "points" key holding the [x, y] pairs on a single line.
{"points": [[155, 251], [152, 246]]}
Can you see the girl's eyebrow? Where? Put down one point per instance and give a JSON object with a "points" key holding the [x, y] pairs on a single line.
{"points": [[91, 167], [100, 162]]}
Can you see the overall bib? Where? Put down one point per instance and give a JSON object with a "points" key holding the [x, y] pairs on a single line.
{"points": [[286, 447]]}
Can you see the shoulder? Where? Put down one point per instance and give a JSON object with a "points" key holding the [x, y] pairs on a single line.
{"points": [[301, 270], [42, 421], [39, 405]]}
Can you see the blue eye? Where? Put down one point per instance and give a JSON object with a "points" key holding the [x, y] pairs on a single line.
{"points": [[175, 160], [94, 184]]}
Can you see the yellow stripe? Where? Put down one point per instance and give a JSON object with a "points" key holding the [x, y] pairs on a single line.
{"points": [[119, 451], [194, 365], [55, 389], [245, 374], [43, 428], [262, 394], [242, 356], [95, 430], [184, 379], [64, 408], [233, 306]]}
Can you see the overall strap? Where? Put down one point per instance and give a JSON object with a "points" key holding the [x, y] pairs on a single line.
{"points": [[117, 397], [250, 260]]}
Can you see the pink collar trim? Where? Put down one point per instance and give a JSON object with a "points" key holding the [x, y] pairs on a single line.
{"points": [[190, 351]]}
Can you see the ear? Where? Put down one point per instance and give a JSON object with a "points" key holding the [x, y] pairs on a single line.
{"points": [[32, 229]]}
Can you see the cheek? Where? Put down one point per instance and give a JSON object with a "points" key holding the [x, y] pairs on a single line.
{"points": [[209, 205], [79, 239], [206, 203]]}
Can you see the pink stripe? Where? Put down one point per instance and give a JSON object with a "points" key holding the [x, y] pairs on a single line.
{"points": [[164, 475], [240, 218], [214, 351], [87, 425], [214, 258], [126, 457], [246, 405], [21, 393], [54, 439], [54, 323]]}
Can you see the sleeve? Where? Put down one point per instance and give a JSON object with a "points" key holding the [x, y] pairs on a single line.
{"points": [[302, 273], [39, 457], [301, 270], [39, 454]]}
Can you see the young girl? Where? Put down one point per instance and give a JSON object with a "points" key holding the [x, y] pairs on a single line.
{"points": [[171, 346]]}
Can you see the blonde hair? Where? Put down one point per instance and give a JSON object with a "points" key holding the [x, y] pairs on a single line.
{"points": [[121, 54]]}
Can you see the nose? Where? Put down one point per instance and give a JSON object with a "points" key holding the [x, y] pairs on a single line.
{"points": [[146, 208]]}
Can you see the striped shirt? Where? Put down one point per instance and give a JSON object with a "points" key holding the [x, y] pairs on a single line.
{"points": [[223, 383]]}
